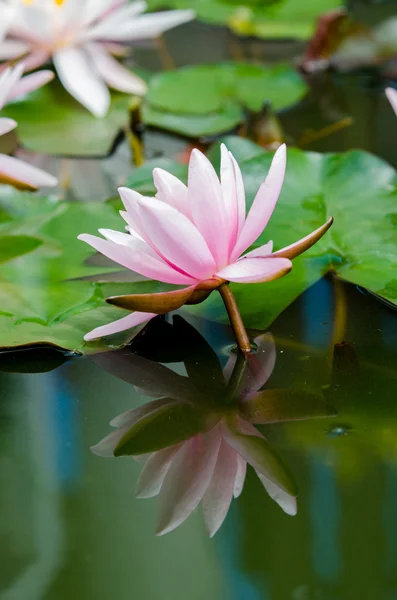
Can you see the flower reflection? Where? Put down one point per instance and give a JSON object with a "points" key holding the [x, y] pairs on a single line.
{"points": [[198, 435]]}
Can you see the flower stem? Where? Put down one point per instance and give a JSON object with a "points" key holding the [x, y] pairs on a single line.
{"points": [[235, 319], [236, 378]]}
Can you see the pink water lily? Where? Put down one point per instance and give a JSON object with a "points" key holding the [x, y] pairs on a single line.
{"points": [[14, 171], [81, 37], [196, 236]]}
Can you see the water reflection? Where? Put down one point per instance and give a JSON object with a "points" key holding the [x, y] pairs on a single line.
{"points": [[196, 438]]}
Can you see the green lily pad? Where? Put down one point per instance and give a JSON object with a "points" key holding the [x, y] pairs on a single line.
{"points": [[12, 246], [211, 99], [52, 121], [39, 301], [264, 19]]}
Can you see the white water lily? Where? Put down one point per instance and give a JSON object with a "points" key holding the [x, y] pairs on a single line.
{"points": [[80, 37], [12, 170]]}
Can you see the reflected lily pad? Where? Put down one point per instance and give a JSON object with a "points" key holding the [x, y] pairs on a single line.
{"points": [[51, 121], [211, 99], [264, 19]]}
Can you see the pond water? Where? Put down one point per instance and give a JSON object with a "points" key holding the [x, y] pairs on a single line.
{"points": [[70, 525]]}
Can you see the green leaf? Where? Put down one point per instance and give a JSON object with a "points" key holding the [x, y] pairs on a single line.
{"points": [[51, 121], [38, 303], [12, 246], [260, 18], [211, 99], [167, 426]]}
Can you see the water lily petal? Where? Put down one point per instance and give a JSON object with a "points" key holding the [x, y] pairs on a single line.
{"points": [[29, 83], [113, 18], [176, 238], [207, 206], [131, 199], [141, 262], [153, 378], [392, 97], [284, 500], [187, 480], [171, 190], [115, 75], [229, 193], [240, 476], [264, 203], [219, 494], [36, 59], [8, 79], [7, 125], [143, 27], [131, 416], [261, 252], [123, 324], [160, 303], [259, 367], [256, 270], [240, 193], [10, 49], [21, 174], [105, 447], [253, 447], [124, 422], [305, 243], [153, 473], [79, 78]]}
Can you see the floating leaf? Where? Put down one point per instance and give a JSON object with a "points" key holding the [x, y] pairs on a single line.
{"points": [[262, 18], [38, 305], [12, 246], [51, 121], [210, 99]]}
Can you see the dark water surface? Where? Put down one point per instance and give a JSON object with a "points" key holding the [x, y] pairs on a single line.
{"points": [[70, 526]]}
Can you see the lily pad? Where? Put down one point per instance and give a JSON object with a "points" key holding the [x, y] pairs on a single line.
{"points": [[264, 19], [211, 99], [52, 121], [12, 246], [39, 304]]}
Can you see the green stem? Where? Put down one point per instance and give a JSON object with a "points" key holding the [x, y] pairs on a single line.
{"points": [[235, 319]]}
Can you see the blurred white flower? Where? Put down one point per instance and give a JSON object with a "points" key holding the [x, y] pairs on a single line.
{"points": [[80, 37], [14, 171]]}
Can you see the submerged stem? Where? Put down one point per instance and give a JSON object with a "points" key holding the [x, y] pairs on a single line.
{"points": [[235, 319]]}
